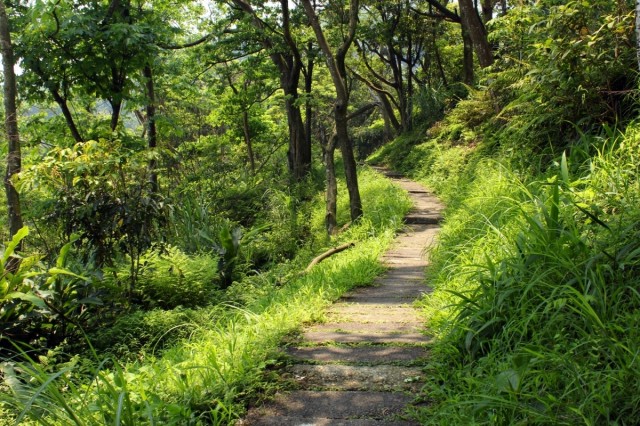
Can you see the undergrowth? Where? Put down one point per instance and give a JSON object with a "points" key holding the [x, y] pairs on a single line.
{"points": [[217, 365], [536, 281]]}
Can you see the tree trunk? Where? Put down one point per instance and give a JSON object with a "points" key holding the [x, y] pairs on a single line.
{"points": [[471, 21], [11, 126], [638, 31], [467, 63], [349, 160], [330, 219], [152, 132], [443, 76], [289, 66], [247, 140], [66, 112], [487, 10], [299, 156], [337, 69], [116, 106], [308, 85], [410, 61]]}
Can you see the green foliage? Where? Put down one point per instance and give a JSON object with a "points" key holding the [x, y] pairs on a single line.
{"points": [[100, 191], [536, 291], [169, 278], [563, 64], [209, 377], [44, 305]]}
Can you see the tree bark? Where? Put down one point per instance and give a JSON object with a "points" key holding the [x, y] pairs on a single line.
{"points": [[487, 10], [328, 254], [14, 158], [308, 86], [467, 55], [443, 76], [116, 107], [477, 32], [383, 95], [246, 130], [66, 112], [330, 218], [338, 71], [152, 132], [638, 32]]}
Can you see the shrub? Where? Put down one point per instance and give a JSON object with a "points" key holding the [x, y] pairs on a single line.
{"points": [[169, 278]]}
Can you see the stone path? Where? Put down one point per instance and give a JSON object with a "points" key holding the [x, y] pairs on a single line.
{"points": [[362, 366]]}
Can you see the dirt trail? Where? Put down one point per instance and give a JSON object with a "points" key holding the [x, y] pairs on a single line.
{"points": [[360, 368]]}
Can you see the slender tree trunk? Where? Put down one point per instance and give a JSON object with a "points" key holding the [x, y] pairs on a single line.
{"points": [[471, 20], [308, 85], [116, 107], [409, 83], [11, 126], [66, 112], [337, 69], [299, 156], [329, 148], [348, 157], [152, 132], [638, 32], [289, 66], [487, 10], [246, 130], [443, 76], [467, 63], [387, 108]]}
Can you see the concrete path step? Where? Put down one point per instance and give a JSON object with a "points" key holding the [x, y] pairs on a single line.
{"points": [[304, 421], [369, 327], [380, 378], [423, 219], [336, 405], [325, 337], [357, 354]]}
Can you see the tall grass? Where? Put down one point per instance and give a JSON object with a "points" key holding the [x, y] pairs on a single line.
{"points": [[537, 294], [208, 378]]}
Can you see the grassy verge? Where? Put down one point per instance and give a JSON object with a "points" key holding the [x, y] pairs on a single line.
{"points": [[208, 377], [537, 290]]}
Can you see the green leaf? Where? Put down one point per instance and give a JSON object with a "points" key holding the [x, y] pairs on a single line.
{"points": [[61, 271], [508, 381], [64, 251], [564, 169], [15, 241], [27, 297]]}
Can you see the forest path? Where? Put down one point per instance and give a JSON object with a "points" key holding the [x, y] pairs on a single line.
{"points": [[361, 367]]}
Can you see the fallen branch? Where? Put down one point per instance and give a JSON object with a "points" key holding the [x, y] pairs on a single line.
{"points": [[328, 253]]}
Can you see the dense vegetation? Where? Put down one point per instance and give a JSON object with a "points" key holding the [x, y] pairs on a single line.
{"points": [[173, 164]]}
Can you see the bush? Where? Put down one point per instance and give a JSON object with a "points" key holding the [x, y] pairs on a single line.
{"points": [[169, 278]]}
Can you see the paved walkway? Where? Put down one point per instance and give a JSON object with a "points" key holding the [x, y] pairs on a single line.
{"points": [[362, 366]]}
